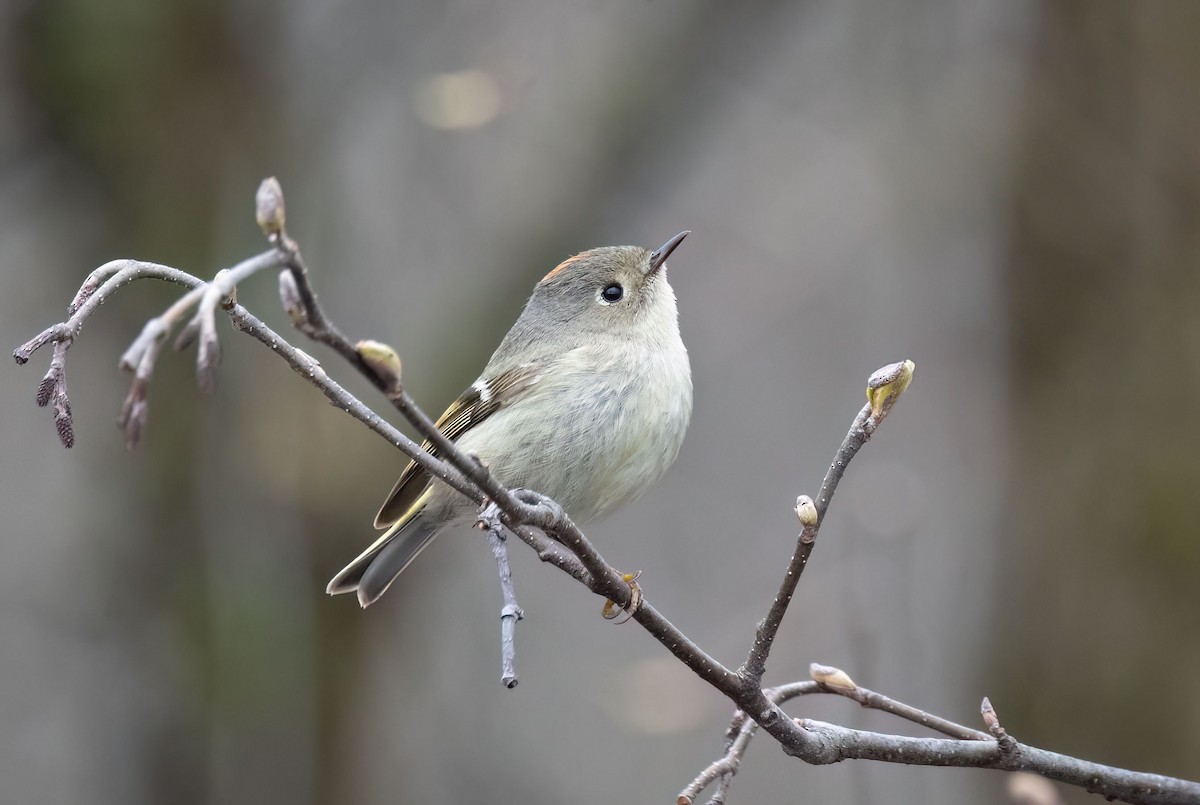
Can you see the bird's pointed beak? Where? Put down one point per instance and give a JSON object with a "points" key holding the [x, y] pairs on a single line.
{"points": [[661, 254]]}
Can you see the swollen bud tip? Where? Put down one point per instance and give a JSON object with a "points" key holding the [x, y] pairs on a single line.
{"points": [[289, 297], [831, 677], [990, 719], [806, 510], [384, 362], [268, 208], [888, 383]]}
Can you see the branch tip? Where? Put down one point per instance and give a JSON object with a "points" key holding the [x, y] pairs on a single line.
{"points": [[384, 362], [1008, 745], [886, 385], [806, 510], [989, 714], [62, 421], [60, 333], [135, 411], [46, 387], [269, 210], [290, 298], [831, 677], [208, 360]]}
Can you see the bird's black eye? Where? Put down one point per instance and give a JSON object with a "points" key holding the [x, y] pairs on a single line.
{"points": [[612, 293]]}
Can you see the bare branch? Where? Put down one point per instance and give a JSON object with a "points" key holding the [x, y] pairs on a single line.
{"points": [[311, 370], [883, 388], [53, 389], [99, 286], [296, 292], [542, 524], [722, 768], [877, 701], [737, 739], [827, 680], [829, 743], [489, 520]]}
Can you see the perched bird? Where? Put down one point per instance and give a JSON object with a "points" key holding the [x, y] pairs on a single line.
{"points": [[586, 400]]}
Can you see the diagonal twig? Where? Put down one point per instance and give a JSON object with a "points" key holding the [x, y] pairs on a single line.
{"points": [[883, 388]]}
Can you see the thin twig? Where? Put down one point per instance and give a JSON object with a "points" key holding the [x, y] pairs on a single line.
{"points": [[826, 680], [296, 292], [768, 627], [382, 364], [871, 700], [141, 355], [722, 769], [883, 388], [489, 521], [310, 369], [518, 511], [835, 680], [830, 743], [101, 284], [821, 744]]}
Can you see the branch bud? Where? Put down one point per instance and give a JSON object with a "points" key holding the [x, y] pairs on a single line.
{"points": [[990, 719], [806, 510], [208, 360], [1007, 744], [268, 208], [62, 418], [887, 384], [831, 677], [134, 412], [384, 362], [47, 386], [289, 297]]}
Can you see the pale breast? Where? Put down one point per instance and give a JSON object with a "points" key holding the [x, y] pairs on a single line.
{"points": [[592, 452]]}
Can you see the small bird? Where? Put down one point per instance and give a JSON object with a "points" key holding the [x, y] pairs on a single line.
{"points": [[586, 400]]}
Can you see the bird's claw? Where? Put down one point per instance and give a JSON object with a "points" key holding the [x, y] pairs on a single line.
{"points": [[612, 609]]}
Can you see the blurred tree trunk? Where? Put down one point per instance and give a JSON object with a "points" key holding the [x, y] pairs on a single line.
{"points": [[1102, 608]]}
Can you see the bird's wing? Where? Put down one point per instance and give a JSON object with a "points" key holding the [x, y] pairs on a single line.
{"points": [[482, 398]]}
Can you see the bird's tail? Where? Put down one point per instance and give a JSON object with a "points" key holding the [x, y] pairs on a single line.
{"points": [[378, 566]]}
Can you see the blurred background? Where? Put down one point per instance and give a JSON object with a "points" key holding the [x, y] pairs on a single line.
{"points": [[1006, 193]]}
